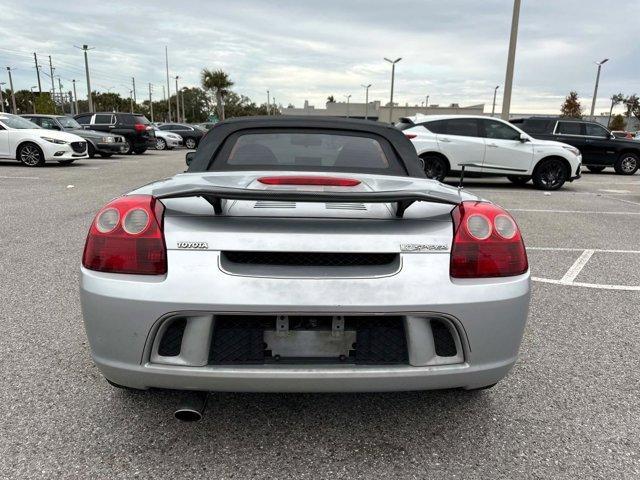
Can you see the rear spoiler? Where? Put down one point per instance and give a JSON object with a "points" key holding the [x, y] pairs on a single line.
{"points": [[215, 194]]}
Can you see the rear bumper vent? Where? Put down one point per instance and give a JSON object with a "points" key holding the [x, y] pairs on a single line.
{"points": [[171, 341], [310, 259]]}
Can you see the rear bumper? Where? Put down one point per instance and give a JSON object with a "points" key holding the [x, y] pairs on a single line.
{"points": [[122, 314], [311, 379]]}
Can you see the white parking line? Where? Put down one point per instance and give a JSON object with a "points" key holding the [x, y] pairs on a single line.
{"points": [[628, 288], [569, 277], [592, 212], [569, 249], [622, 200], [577, 267], [21, 178]]}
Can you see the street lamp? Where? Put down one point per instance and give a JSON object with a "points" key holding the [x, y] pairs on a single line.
{"points": [[595, 90], [348, 97], [393, 73], [493, 109], [426, 105], [366, 101]]}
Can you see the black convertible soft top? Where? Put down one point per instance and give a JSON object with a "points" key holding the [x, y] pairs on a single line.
{"points": [[211, 144]]}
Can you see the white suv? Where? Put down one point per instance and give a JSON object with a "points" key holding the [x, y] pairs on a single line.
{"points": [[446, 143]]}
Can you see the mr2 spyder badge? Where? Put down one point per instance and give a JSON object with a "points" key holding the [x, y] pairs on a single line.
{"points": [[193, 245], [423, 247]]}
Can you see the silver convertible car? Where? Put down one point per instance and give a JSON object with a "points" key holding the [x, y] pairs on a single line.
{"points": [[303, 255]]}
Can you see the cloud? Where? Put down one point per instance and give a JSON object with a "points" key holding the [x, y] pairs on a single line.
{"points": [[453, 51]]}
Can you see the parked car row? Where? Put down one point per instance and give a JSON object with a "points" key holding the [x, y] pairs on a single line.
{"points": [[86, 135]]}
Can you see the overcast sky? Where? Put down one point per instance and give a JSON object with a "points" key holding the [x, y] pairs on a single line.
{"points": [[454, 50]]}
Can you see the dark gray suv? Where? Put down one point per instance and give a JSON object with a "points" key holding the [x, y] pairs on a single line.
{"points": [[103, 144]]}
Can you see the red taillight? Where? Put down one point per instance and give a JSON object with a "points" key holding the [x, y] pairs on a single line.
{"points": [[126, 237], [410, 135], [486, 242], [324, 181], [140, 127]]}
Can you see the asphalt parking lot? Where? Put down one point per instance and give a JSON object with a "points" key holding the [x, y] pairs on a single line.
{"points": [[570, 408]]}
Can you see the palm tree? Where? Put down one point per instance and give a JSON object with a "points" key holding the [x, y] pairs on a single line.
{"points": [[218, 82], [615, 100]]}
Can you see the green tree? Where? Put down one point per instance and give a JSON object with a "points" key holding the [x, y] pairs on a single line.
{"points": [[44, 103], [331, 99], [616, 99], [219, 83], [571, 107], [617, 122]]}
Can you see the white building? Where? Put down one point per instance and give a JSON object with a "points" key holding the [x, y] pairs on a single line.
{"points": [[376, 111]]}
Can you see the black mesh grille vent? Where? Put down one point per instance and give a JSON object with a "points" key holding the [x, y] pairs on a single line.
{"points": [[311, 259]]}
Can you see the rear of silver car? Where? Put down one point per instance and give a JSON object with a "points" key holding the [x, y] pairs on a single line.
{"points": [[296, 296]]}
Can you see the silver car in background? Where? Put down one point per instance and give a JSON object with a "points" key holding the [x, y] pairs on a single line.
{"points": [[303, 255]]}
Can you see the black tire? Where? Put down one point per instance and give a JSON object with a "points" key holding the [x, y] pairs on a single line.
{"points": [[161, 144], [435, 167], [627, 164], [191, 143], [140, 150], [65, 162], [30, 155], [91, 150], [593, 169], [129, 149], [519, 179], [106, 155], [550, 174]]}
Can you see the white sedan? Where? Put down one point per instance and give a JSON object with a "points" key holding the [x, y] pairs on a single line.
{"points": [[33, 146], [166, 140]]}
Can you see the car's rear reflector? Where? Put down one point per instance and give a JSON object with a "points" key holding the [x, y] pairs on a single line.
{"points": [[126, 237], [310, 180], [410, 135], [486, 242]]}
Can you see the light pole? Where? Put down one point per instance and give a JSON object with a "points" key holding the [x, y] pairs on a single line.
{"points": [[393, 74], [166, 58], [1, 98], [268, 104], [595, 90], [33, 98], [511, 60], [426, 105], [493, 108], [13, 93], [75, 96], [85, 48], [348, 97], [177, 101], [366, 101]]}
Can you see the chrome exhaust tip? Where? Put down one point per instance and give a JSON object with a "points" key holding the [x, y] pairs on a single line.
{"points": [[192, 407]]}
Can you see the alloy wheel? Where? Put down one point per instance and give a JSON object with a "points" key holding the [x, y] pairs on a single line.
{"points": [[160, 144], [552, 174], [190, 143], [628, 164], [30, 155]]}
